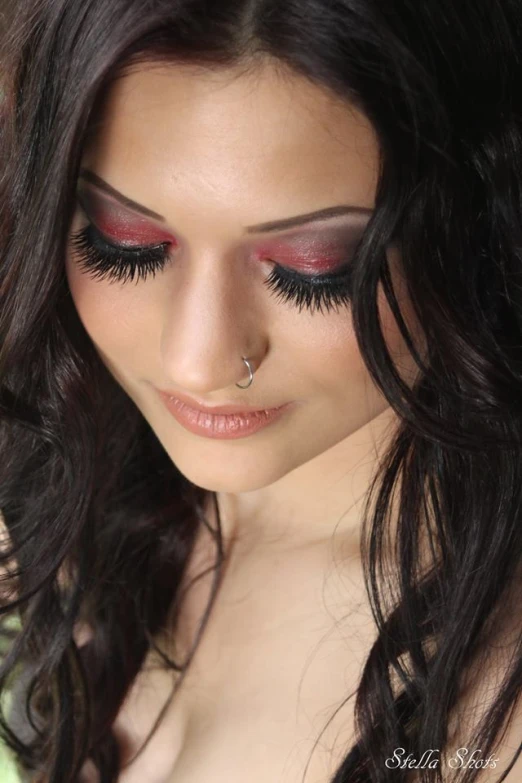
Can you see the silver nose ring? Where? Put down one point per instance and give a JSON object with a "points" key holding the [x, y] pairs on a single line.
{"points": [[250, 372]]}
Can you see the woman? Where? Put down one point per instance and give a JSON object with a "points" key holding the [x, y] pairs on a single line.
{"points": [[261, 378]]}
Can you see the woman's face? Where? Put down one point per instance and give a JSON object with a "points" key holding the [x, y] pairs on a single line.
{"points": [[213, 159]]}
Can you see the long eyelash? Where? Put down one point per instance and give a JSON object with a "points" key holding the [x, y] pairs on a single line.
{"points": [[103, 260], [312, 292]]}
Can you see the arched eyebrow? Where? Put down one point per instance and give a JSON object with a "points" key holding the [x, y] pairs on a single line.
{"points": [[309, 217], [260, 228], [100, 183]]}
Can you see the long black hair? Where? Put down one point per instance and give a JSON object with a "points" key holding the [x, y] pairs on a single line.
{"points": [[99, 522]]}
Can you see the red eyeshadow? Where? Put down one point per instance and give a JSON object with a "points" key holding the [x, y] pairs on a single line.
{"points": [[132, 232], [120, 225], [316, 255]]}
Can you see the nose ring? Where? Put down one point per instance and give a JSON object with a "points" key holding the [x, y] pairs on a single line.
{"points": [[250, 372]]}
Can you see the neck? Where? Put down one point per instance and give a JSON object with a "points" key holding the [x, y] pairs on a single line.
{"points": [[308, 505]]}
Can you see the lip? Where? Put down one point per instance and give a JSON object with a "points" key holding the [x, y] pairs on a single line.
{"points": [[212, 409], [226, 421]]}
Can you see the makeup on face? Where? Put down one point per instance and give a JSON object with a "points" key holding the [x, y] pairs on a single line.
{"points": [[315, 253], [317, 248], [225, 426], [118, 224]]}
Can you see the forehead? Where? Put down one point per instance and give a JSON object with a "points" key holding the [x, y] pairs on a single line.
{"points": [[264, 144]]}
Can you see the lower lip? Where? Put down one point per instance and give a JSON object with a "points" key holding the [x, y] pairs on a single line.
{"points": [[222, 426]]}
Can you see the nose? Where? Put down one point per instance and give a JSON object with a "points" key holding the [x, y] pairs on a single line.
{"points": [[210, 324]]}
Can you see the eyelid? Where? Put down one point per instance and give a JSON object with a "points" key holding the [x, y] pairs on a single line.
{"points": [[342, 270], [308, 247], [118, 246], [322, 269], [343, 238], [337, 270]]}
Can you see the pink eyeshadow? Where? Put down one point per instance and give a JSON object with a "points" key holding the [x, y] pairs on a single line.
{"points": [[310, 256], [121, 226]]}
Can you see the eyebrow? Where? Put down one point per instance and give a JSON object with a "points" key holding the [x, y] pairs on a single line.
{"points": [[264, 228]]}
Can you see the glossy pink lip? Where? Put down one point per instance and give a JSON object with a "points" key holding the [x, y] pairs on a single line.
{"points": [[212, 409], [227, 421]]}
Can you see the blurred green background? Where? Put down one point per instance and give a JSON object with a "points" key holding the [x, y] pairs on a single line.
{"points": [[7, 769], [8, 774]]}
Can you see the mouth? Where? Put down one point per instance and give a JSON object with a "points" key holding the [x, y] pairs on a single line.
{"points": [[215, 410], [226, 421]]}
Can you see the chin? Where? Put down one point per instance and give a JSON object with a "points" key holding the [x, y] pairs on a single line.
{"points": [[226, 476]]}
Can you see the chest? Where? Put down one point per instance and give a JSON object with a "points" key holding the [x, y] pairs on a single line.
{"points": [[279, 655], [269, 694]]}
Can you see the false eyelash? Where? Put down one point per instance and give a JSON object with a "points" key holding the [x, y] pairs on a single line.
{"points": [[105, 261], [312, 292]]}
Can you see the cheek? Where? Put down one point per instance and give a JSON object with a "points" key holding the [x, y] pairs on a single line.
{"points": [[113, 316], [326, 352], [329, 352]]}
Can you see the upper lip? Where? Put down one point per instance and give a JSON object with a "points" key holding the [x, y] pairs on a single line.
{"points": [[211, 409]]}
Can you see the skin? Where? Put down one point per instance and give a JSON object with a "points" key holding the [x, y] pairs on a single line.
{"points": [[213, 152]]}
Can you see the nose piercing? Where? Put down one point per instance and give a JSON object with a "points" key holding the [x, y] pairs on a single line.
{"points": [[250, 372]]}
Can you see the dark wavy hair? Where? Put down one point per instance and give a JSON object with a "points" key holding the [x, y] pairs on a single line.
{"points": [[100, 523]]}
